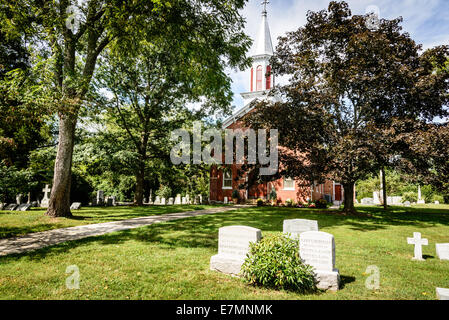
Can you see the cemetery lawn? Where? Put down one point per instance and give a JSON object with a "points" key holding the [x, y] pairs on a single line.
{"points": [[17, 223], [171, 260]]}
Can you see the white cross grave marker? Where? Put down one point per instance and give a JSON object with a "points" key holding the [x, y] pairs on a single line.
{"points": [[45, 201], [418, 242]]}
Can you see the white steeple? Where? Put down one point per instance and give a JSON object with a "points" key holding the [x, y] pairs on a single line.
{"points": [[263, 43], [261, 80]]}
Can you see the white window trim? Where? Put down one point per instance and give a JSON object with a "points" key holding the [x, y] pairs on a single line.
{"points": [[223, 186], [288, 189]]}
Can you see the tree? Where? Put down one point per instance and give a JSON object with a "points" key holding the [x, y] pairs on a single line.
{"points": [[348, 84], [70, 37]]}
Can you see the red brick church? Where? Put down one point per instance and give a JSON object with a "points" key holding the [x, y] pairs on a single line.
{"points": [[224, 180]]}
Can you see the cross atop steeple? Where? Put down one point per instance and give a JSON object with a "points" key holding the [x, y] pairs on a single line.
{"points": [[264, 3]]}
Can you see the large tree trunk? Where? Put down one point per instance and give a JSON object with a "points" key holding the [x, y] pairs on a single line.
{"points": [[59, 203], [140, 178], [348, 200]]}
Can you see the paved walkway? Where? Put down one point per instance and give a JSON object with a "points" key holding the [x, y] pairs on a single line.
{"points": [[38, 240]]}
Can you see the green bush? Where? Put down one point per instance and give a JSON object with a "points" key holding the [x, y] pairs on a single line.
{"points": [[410, 196], [235, 194], [289, 202], [164, 192], [321, 203], [274, 262], [437, 197]]}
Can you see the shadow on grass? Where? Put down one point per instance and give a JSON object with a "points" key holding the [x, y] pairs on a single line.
{"points": [[202, 231]]}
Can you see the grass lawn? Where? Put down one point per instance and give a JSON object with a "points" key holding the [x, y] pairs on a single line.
{"points": [[16, 223], [171, 260]]}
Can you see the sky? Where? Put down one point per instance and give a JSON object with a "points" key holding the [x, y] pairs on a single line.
{"points": [[427, 22]]}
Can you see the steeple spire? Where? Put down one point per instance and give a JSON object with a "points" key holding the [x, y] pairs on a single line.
{"points": [[264, 3], [263, 41]]}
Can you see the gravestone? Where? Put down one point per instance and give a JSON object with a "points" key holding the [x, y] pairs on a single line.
{"points": [[394, 200], [188, 199], [109, 202], [157, 200], [114, 200], [75, 206], [163, 201], [34, 204], [184, 200], [376, 197], [45, 200], [2, 205], [407, 204], [442, 294], [367, 201], [178, 199], [437, 202], [418, 242], [420, 200], [201, 198], [196, 200], [23, 207], [100, 197], [171, 201], [11, 207], [317, 249], [297, 226], [233, 245], [225, 200], [19, 199], [442, 251]]}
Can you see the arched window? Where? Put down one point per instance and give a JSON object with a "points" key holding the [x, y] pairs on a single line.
{"points": [[252, 78], [227, 178], [268, 86], [259, 78]]}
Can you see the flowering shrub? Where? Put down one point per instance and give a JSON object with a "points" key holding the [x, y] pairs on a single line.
{"points": [[321, 203], [274, 262], [289, 202], [260, 202]]}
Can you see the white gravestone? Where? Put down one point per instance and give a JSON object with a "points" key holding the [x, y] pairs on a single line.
{"points": [[317, 249], [171, 201], [407, 204], [75, 206], [163, 201], [442, 294], [158, 200], [233, 245], [442, 251], [297, 226], [420, 200], [46, 190], [23, 207], [225, 200], [178, 199], [367, 201], [100, 197], [418, 242], [437, 202], [184, 200]]}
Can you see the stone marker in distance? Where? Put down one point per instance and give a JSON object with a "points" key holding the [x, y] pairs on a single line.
{"points": [[442, 294], [317, 249], [233, 245], [75, 206], [442, 251], [418, 242]]}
